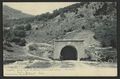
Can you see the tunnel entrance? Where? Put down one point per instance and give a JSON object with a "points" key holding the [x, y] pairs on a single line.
{"points": [[68, 53]]}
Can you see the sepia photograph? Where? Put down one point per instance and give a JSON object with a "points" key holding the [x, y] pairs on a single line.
{"points": [[60, 39]]}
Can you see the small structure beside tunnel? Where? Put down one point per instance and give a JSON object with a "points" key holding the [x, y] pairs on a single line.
{"points": [[68, 49]]}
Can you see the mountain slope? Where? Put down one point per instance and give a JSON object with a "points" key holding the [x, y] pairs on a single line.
{"points": [[11, 13], [93, 16], [95, 22], [99, 17]]}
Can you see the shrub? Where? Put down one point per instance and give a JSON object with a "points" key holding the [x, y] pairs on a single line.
{"points": [[7, 44], [33, 47], [80, 16], [19, 41], [62, 15], [20, 33], [22, 42], [36, 28], [83, 27], [28, 27], [6, 33], [19, 27], [15, 39], [9, 50]]}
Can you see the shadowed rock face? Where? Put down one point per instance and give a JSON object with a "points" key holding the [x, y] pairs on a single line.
{"points": [[68, 53]]}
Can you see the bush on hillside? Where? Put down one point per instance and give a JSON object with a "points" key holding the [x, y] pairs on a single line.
{"points": [[15, 39], [22, 42], [7, 44], [33, 47], [62, 15], [28, 27], [19, 33], [6, 33], [19, 27], [19, 41]]}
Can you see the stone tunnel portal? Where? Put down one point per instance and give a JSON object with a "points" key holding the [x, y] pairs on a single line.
{"points": [[68, 49]]}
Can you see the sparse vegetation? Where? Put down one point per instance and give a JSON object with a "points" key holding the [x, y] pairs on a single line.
{"points": [[103, 22]]}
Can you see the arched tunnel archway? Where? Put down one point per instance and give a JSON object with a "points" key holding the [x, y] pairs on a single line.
{"points": [[68, 53]]}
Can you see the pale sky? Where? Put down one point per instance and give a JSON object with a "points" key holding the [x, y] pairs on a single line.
{"points": [[37, 8]]}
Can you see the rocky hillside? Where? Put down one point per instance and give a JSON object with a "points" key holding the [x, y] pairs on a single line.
{"points": [[94, 22], [97, 17]]}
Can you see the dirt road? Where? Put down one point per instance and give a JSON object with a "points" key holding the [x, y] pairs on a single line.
{"points": [[59, 68]]}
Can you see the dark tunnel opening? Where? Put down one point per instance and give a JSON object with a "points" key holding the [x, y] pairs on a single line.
{"points": [[68, 53]]}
